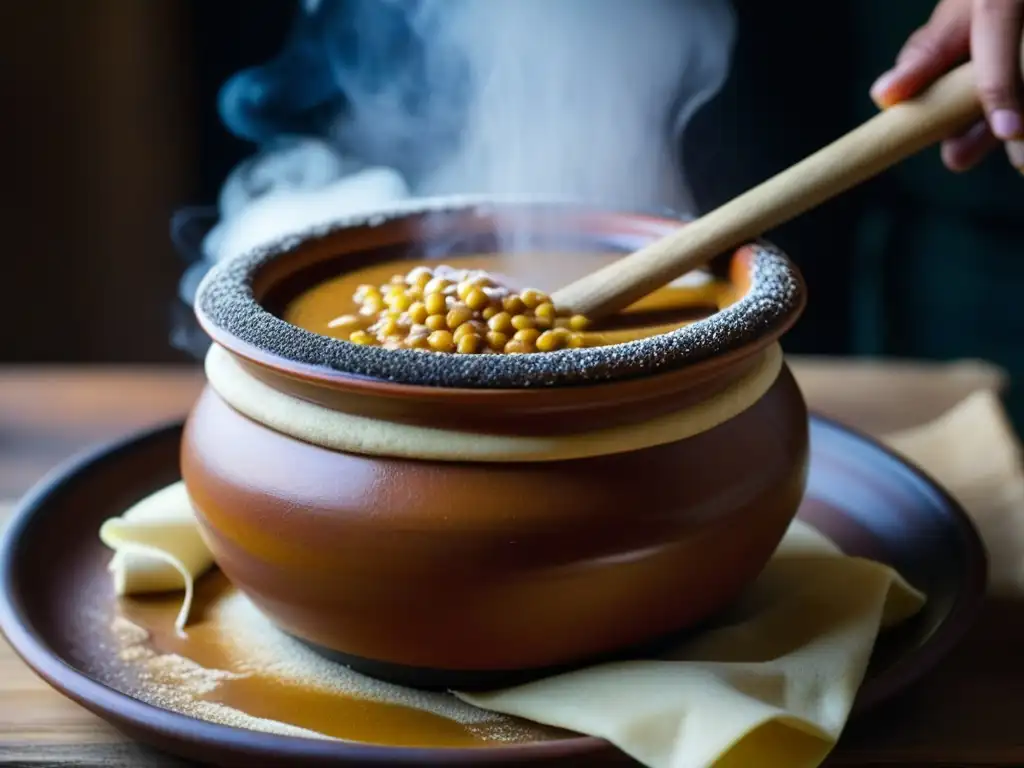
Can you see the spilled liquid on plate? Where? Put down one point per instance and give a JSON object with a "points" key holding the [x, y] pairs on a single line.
{"points": [[271, 678]]}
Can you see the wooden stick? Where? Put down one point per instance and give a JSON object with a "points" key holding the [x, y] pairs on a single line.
{"points": [[948, 106]]}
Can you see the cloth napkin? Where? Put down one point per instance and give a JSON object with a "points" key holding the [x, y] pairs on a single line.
{"points": [[771, 685], [773, 682]]}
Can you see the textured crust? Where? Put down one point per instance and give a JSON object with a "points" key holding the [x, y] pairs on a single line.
{"points": [[225, 300]]}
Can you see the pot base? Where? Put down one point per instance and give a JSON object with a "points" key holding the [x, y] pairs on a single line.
{"points": [[426, 679]]}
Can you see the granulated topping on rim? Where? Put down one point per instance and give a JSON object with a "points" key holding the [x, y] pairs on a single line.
{"points": [[225, 301]]}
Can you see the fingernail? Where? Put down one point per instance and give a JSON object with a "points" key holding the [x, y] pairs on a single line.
{"points": [[1015, 151], [882, 84], [1007, 124]]}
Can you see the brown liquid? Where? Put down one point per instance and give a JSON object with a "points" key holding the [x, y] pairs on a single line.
{"points": [[348, 716], [664, 310]]}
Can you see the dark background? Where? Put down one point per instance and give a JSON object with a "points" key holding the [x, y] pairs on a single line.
{"points": [[110, 123]]}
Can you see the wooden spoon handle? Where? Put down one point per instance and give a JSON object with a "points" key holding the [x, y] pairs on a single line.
{"points": [[948, 106]]}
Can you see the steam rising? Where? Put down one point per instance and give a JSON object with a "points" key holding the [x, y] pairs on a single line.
{"points": [[580, 99], [583, 98]]}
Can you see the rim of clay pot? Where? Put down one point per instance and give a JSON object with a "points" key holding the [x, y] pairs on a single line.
{"points": [[230, 301]]}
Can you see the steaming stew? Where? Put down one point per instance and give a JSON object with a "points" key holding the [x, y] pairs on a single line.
{"points": [[332, 308]]}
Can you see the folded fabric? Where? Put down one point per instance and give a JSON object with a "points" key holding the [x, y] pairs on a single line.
{"points": [[158, 547], [775, 678], [772, 684]]}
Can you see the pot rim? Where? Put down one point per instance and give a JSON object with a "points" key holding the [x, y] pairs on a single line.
{"points": [[231, 313]]}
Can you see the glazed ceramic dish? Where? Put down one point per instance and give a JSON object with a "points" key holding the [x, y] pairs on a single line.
{"points": [[472, 521], [57, 603]]}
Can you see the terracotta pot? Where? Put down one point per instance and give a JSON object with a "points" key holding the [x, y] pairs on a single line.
{"points": [[471, 574]]}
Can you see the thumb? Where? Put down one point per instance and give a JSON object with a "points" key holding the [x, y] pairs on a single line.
{"points": [[929, 53]]}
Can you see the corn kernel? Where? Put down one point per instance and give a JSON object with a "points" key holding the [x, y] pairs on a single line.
{"points": [[548, 341], [578, 322], [387, 327], [521, 322], [516, 347], [436, 285], [441, 341], [468, 344], [513, 304], [463, 289], [577, 340], [418, 312], [399, 303], [435, 303], [489, 312], [365, 291], [533, 298], [476, 299], [437, 323], [527, 335], [501, 322], [397, 280], [466, 329], [545, 313], [496, 340], [419, 276], [361, 337], [458, 315], [417, 341]]}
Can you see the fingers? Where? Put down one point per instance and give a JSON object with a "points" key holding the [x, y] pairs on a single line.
{"points": [[930, 52], [967, 150], [1015, 153], [995, 49], [991, 32]]}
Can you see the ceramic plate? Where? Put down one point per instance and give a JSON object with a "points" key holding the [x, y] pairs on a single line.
{"points": [[53, 576]]}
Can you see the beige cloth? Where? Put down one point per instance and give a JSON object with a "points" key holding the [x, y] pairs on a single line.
{"points": [[973, 452], [158, 547], [773, 684]]}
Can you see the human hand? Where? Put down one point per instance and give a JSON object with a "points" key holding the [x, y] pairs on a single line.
{"points": [[990, 32]]}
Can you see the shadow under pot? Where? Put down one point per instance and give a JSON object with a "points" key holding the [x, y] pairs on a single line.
{"points": [[474, 521]]}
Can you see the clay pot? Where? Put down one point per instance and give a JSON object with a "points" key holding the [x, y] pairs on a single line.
{"points": [[469, 574]]}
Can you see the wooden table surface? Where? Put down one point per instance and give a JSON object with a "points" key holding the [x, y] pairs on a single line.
{"points": [[969, 713]]}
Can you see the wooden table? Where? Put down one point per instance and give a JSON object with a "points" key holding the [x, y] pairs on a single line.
{"points": [[969, 713]]}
